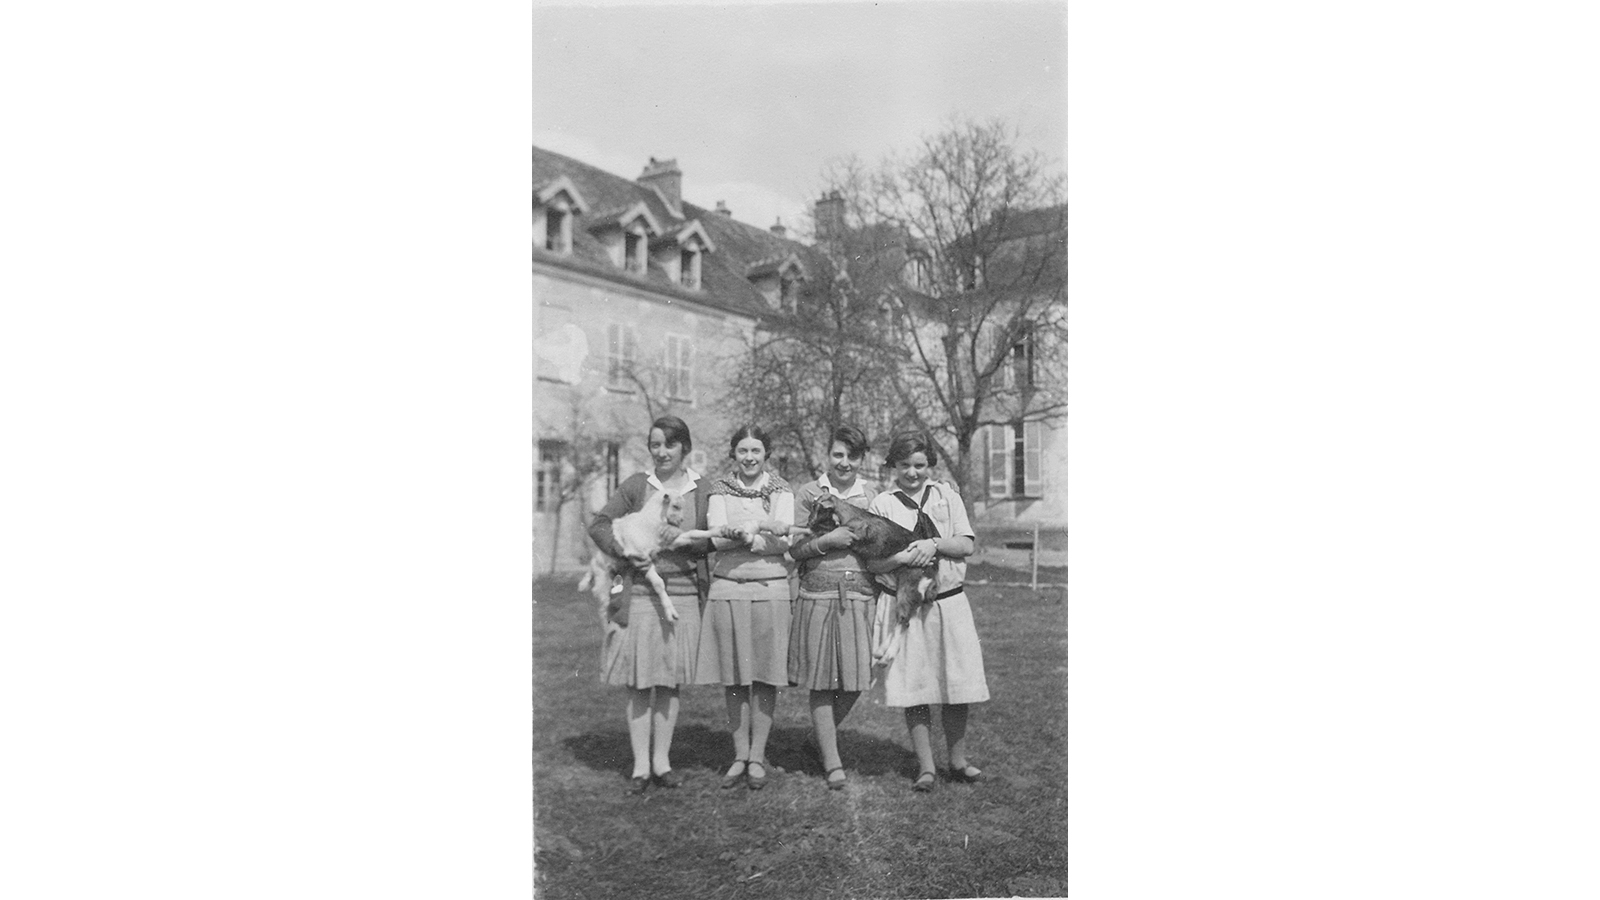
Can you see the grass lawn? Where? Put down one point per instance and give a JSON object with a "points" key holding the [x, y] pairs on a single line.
{"points": [[796, 839]]}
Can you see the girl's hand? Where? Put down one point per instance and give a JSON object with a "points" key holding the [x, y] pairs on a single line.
{"points": [[922, 552], [837, 539], [640, 561]]}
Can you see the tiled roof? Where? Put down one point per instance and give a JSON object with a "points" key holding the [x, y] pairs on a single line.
{"points": [[1029, 222], [1024, 223], [622, 216], [724, 282], [774, 265]]}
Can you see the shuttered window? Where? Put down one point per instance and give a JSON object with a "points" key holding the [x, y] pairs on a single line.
{"points": [[621, 350], [1016, 460], [1033, 460], [547, 476], [613, 467], [679, 365], [999, 437]]}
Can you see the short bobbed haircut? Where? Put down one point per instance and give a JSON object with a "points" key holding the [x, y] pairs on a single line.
{"points": [[750, 431], [908, 442], [854, 441], [673, 430]]}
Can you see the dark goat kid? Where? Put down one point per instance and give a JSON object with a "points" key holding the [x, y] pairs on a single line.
{"points": [[875, 537]]}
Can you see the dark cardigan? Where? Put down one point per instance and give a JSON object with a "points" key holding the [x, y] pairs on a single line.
{"points": [[630, 497]]}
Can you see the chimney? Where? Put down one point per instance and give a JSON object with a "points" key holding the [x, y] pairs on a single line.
{"points": [[830, 216], [723, 208], [778, 229], [665, 176]]}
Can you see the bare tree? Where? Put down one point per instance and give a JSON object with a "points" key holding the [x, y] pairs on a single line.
{"points": [[581, 447], [806, 373], [964, 242]]}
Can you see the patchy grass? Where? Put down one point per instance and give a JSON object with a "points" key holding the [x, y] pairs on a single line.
{"points": [[875, 839]]}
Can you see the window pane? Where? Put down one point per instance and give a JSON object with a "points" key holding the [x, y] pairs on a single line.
{"points": [[1019, 467], [998, 459], [1033, 455]]}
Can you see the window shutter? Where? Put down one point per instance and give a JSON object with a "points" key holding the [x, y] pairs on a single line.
{"points": [[674, 389], [1007, 379], [1033, 456], [999, 460], [686, 362], [666, 366], [613, 353], [674, 368]]}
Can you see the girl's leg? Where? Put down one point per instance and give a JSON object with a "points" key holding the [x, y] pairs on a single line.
{"points": [[824, 724], [766, 702], [917, 723], [843, 702], [738, 700], [955, 734], [639, 730], [664, 713]]}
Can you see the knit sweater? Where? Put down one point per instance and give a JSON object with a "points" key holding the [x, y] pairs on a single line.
{"points": [[629, 498]]}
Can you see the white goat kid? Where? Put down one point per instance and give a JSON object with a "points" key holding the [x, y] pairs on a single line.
{"points": [[644, 533]]}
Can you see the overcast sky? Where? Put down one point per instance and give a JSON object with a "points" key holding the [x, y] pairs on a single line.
{"points": [[753, 100]]}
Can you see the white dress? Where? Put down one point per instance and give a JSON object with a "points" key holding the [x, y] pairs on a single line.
{"points": [[938, 658]]}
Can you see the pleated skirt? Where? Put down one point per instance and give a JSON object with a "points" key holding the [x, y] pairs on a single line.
{"points": [[939, 658], [830, 642], [650, 651], [744, 633]]}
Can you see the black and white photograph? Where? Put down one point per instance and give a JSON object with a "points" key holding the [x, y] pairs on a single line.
{"points": [[800, 532], [704, 534]]}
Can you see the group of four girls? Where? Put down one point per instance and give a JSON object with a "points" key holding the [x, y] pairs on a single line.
{"points": [[752, 638]]}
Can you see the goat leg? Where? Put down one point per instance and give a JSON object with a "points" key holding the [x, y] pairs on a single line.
{"points": [[659, 586]]}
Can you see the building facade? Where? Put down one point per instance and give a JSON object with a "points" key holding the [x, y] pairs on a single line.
{"points": [[986, 320], [640, 299], [642, 304]]}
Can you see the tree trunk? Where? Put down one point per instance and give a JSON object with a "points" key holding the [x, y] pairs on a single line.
{"points": [[555, 537], [963, 464]]}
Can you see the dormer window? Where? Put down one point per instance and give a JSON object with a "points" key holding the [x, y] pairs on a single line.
{"points": [[554, 208], [790, 292], [680, 251], [917, 275], [625, 233], [778, 279], [557, 230], [633, 252], [689, 268], [974, 275]]}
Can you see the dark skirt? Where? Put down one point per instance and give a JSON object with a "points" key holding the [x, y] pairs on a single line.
{"points": [[830, 641]]}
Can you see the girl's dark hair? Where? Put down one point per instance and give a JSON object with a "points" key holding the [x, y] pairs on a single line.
{"points": [[855, 443], [673, 430], [909, 442], [750, 431]]}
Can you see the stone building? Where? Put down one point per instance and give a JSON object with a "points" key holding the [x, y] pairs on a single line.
{"points": [[639, 299], [642, 300], [1006, 287]]}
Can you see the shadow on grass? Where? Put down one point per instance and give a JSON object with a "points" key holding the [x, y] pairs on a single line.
{"points": [[693, 747], [699, 747]]}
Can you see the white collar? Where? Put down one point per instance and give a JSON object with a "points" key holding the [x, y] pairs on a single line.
{"points": [[692, 475], [856, 490], [925, 493]]}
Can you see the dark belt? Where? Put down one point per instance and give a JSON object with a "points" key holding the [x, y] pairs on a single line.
{"points": [[937, 597], [827, 580]]}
